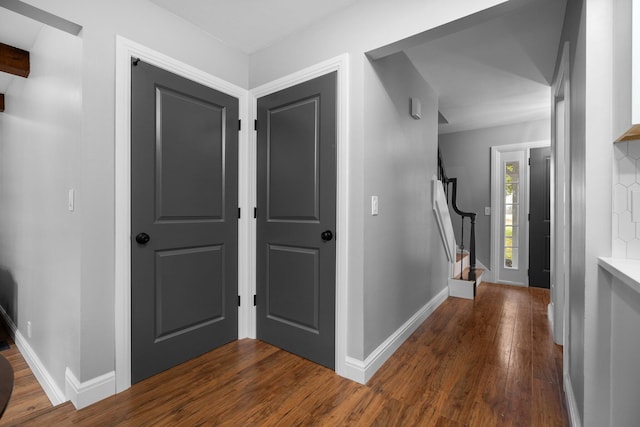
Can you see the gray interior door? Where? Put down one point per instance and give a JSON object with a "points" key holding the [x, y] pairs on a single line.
{"points": [[296, 219], [184, 208], [540, 220]]}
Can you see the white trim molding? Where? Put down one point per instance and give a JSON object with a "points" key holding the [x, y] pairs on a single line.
{"points": [[341, 65], [496, 206], [572, 404], [83, 394], [361, 371], [54, 393], [125, 50]]}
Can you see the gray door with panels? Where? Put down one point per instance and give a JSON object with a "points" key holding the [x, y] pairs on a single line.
{"points": [[540, 218], [184, 209], [296, 219]]}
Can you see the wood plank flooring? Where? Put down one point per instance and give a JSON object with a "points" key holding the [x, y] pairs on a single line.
{"points": [[486, 362], [27, 396]]}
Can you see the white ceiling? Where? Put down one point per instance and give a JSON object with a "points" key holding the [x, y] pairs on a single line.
{"points": [[16, 31], [497, 72], [250, 25], [494, 73]]}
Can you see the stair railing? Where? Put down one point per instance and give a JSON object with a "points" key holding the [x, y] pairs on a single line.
{"points": [[453, 182]]}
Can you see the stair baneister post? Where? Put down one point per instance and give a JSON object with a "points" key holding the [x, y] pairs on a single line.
{"points": [[446, 181]]}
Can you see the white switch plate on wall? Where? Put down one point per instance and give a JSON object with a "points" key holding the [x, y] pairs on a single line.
{"points": [[72, 200], [487, 210], [374, 205]]}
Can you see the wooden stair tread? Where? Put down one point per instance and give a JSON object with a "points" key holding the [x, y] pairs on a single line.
{"points": [[465, 274], [461, 255]]}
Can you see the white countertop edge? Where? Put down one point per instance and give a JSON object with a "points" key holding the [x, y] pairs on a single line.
{"points": [[627, 270]]}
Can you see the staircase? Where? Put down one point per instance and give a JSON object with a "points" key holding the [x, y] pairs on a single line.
{"points": [[465, 276], [461, 285]]}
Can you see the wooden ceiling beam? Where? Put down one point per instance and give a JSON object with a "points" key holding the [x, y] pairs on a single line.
{"points": [[14, 60]]}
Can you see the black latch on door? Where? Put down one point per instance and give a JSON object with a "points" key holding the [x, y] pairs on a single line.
{"points": [[143, 238], [326, 235]]}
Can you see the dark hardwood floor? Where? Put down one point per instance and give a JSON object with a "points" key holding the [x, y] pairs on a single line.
{"points": [[486, 362]]}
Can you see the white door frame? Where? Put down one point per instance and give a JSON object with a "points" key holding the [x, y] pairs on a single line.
{"points": [[341, 65], [125, 50], [496, 205], [560, 269]]}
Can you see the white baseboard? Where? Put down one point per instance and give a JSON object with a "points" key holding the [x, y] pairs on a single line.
{"points": [[572, 405], [361, 371], [487, 276], [89, 392], [54, 393]]}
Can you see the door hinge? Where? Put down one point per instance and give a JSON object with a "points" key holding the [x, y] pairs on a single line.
{"points": [[239, 212], [255, 300], [529, 161], [239, 125], [238, 300], [529, 217], [255, 125]]}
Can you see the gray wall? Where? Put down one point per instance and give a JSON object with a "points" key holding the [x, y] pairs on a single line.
{"points": [[355, 31], [40, 144], [93, 258], [405, 265], [467, 156]]}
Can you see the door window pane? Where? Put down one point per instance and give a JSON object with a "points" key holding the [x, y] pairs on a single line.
{"points": [[511, 219]]}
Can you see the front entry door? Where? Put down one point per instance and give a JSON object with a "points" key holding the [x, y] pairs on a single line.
{"points": [[540, 222], [296, 218], [184, 186]]}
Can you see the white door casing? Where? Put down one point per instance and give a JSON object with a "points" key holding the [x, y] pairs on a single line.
{"points": [[517, 273]]}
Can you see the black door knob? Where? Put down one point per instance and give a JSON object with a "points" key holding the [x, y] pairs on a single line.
{"points": [[326, 235], [143, 238]]}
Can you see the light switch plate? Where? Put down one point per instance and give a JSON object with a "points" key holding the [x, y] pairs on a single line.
{"points": [[72, 200], [487, 210], [374, 205]]}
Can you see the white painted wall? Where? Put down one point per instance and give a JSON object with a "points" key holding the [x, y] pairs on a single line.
{"points": [[147, 24], [598, 162], [598, 315], [574, 32], [40, 151], [467, 156], [366, 25], [405, 265]]}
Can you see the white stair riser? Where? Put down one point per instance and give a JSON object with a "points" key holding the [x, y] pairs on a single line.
{"points": [[461, 288]]}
